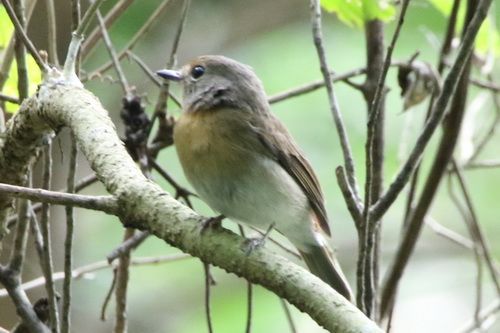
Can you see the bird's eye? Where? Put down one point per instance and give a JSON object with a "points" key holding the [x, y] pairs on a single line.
{"points": [[197, 71]]}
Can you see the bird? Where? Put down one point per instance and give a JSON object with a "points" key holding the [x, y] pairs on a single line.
{"points": [[243, 162]]}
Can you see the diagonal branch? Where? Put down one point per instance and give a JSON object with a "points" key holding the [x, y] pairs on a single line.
{"points": [[449, 88]]}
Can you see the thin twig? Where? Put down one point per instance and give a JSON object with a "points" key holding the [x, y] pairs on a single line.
{"points": [[11, 282], [486, 164], [494, 87], [334, 108], [288, 315], [103, 203], [353, 205], [449, 87], [453, 80], [86, 270], [47, 263], [37, 234], [374, 163], [208, 310], [122, 276], [68, 242], [52, 32], [468, 216], [21, 33], [449, 234], [491, 131], [130, 45], [161, 103], [87, 17], [127, 246], [10, 99], [377, 102], [112, 53], [114, 13], [80, 185], [312, 86], [180, 192], [20, 51], [107, 298], [487, 313], [248, 326], [485, 248], [151, 75], [19, 248]]}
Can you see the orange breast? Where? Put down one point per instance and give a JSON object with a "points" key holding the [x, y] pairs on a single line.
{"points": [[211, 144]]}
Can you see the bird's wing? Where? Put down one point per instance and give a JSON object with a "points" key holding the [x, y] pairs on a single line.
{"points": [[282, 148]]}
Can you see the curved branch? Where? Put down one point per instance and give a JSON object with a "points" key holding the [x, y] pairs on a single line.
{"points": [[144, 205]]}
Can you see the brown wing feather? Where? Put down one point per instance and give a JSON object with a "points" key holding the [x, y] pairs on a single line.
{"points": [[281, 146]]}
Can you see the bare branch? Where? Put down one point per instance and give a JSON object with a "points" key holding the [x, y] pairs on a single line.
{"points": [[85, 271], [114, 13], [10, 99], [112, 53], [52, 32], [104, 203], [130, 45], [47, 262], [449, 87], [80, 185], [334, 108], [128, 245], [68, 242], [11, 282]]}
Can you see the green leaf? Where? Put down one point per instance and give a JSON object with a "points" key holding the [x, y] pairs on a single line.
{"points": [[357, 12], [488, 37]]}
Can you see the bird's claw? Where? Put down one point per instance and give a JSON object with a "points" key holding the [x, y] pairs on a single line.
{"points": [[212, 222], [252, 244]]}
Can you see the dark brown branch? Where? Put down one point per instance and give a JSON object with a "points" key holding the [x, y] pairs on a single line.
{"points": [[456, 84], [449, 88]]}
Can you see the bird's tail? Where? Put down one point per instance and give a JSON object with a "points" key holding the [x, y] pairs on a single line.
{"points": [[322, 263]]}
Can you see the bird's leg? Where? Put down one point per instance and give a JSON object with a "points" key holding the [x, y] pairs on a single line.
{"points": [[212, 222], [257, 242]]}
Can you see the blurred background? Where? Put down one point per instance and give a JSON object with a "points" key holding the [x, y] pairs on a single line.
{"points": [[437, 293]]}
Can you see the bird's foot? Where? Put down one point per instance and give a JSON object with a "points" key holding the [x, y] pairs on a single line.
{"points": [[255, 243], [212, 222], [252, 244]]}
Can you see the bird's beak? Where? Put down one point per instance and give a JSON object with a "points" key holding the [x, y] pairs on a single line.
{"points": [[170, 74]]}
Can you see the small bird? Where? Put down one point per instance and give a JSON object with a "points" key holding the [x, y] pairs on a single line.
{"points": [[244, 164]]}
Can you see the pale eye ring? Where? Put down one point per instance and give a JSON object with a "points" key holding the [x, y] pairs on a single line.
{"points": [[197, 71]]}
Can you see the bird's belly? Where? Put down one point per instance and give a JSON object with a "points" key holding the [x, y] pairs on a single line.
{"points": [[258, 193], [239, 183]]}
